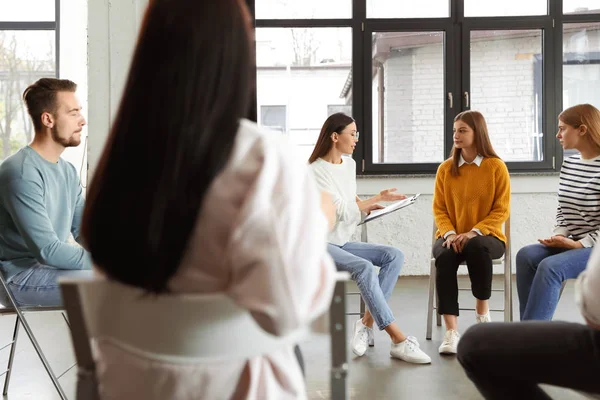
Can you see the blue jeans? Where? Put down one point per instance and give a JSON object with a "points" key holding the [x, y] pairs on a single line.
{"points": [[541, 271], [359, 259], [38, 285]]}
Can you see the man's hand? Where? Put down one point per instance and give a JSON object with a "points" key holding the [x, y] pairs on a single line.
{"points": [[389, 195], [561, 242]]}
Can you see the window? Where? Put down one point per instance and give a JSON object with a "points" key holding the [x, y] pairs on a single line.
{"points": [[581, 65], [300, 72], [274, 117], [581, 6], [505, 8], [337, 108], [403, 70], [505, 68], [408, 8], [28, 52], [407, 89]]}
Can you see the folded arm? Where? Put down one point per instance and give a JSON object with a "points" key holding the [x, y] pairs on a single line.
{"points": [[24, 201]]}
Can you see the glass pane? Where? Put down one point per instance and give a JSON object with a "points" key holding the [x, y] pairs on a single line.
{"points": [[26, 57], [581, 6], [408, 9], [506, 87], [301, 74], [408, 97], [27, 10], [505, 8], [311, 9], [581, 65]]}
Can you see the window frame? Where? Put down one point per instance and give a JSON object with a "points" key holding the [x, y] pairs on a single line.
{"points": [[457, 28], [40, 26]]}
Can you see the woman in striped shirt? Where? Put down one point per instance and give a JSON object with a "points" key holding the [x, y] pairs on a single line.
{"points": [[542, 268]]}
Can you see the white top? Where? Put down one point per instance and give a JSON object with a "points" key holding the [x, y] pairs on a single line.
{"points": [[587, 288], [578, 212], [260, 238], [340, 181], [477, 161]]}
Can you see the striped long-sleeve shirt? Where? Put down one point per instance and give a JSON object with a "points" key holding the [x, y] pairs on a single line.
{"points": [[578, 213]]}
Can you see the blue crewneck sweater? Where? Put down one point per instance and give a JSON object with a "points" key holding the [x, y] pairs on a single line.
{"points": [[41, 203]]}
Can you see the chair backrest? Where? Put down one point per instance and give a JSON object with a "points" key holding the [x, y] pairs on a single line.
{"points": [[171, 328]]}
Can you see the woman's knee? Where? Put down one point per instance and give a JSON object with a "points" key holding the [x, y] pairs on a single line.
{"points": [[527, 255], [363, 270], [394, 256], [548, 267]]}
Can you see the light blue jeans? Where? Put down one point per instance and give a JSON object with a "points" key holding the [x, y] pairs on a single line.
{"points": [[541, 271], [38, 285], [360, 259]]}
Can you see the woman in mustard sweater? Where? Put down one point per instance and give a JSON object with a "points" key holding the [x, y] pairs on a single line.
{"points": [[470, 204]]}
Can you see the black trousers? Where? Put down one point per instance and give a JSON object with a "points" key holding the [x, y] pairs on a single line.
{"points": [[478, 253], [509, 360]]}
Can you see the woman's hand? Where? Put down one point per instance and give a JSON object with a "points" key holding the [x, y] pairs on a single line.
{"points": [[457, 242], [373, 207], [561, 242], [389, 195]]}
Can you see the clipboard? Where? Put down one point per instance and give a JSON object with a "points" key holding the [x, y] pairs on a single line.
{"points": [[390, 209]]}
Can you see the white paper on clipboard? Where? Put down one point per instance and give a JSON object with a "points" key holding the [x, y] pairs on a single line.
{"points": [[391, 208]]}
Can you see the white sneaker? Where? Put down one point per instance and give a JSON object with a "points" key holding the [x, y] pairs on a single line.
{"points": [[360, 341], [482, 319], [371, 337], [450, 342], [409, 351]]}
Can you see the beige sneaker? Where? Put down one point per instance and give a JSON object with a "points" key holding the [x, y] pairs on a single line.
{"points": [[450, 342], [482, 319]]}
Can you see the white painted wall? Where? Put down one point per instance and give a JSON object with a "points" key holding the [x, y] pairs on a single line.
{"points": [[112, 33]]}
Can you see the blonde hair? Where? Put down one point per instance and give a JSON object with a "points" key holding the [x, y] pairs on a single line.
{"points": [[584, 114]]}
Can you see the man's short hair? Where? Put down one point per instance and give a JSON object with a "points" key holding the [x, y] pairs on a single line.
{"points": [[40, 97]]}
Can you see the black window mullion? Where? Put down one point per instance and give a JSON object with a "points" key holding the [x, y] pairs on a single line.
{"points": [[360, 46]]}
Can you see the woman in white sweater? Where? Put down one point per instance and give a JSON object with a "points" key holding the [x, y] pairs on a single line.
{"points": [[335, 173]]}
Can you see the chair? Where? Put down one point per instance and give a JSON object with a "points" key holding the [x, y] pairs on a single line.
{"points": [[176, 329], [13, 308], [505, 259]]}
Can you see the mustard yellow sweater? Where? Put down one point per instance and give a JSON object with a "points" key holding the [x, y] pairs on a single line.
{"points": [[478, 198]]}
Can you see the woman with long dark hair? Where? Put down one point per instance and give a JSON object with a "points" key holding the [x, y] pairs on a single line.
{"points": [[335, 173], [470, 203], [189, 197]]}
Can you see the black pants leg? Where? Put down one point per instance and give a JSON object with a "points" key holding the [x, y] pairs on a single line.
{"points": [[478, 253], [509, 360]]}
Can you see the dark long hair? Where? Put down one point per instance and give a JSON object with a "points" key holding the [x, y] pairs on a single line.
{"points": [[476, 121], [334, 123], [187, 89]]}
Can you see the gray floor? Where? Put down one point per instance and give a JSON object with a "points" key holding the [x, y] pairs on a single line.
{"points": [[373, 376], [377, 376]]}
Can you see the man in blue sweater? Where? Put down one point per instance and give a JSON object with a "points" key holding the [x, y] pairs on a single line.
{"points": [[41, 201]]}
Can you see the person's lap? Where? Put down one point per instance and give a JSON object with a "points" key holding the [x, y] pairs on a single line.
{"points": [[38, 285]]}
